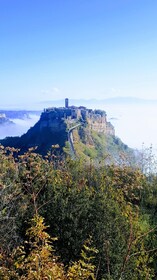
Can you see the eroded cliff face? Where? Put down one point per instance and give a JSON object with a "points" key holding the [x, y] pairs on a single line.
{"points": [[53, 127], [100, 124], [57, 118], [53, 120]]}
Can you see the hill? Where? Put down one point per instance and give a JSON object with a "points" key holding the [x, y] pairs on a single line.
{"points": [[78, 131]]}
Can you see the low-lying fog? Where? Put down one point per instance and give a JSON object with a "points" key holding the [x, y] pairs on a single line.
{"points": [[19, 126], [135, 123]]}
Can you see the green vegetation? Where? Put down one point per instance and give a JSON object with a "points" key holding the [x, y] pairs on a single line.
{"points": [[103, 218], [52, 129], [98, 146]]}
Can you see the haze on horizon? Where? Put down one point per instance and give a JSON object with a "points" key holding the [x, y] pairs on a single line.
{"points": [[81, 49]]}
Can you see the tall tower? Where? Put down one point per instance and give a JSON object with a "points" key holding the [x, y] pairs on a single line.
{"points": [[66, 102]]}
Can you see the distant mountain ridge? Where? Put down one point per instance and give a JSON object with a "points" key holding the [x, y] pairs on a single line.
{"points": [[112, 100], [18, 114]]}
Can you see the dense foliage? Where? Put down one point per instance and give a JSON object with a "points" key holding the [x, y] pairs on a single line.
{"points": [[103, 219]]}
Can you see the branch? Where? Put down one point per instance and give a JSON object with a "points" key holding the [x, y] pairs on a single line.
{"points": [[145, 234], [145, 251]]}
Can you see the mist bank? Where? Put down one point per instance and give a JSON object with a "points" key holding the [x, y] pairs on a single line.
{"points": [[134, 119], [135, 124], [18, 126]]}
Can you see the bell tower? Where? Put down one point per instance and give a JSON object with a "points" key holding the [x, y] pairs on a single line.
{"points": [[66, 102]]}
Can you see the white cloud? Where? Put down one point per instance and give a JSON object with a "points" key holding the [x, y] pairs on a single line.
{"points": [[50, 92], [55, 89]]}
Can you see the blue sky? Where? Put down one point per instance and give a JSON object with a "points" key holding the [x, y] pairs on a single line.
{"points": [[54, 49]]}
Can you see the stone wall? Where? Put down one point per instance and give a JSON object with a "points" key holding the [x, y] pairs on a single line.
{"points": [[54, 118], [99, 123]]}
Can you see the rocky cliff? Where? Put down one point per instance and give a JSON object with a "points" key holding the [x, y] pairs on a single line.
{"points": [[95, 119], [89, 137]]}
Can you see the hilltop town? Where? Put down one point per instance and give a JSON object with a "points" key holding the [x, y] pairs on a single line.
{"points": [[95, 119], [74, 130]]}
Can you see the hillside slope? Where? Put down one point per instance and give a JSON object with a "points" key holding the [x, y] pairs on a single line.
{"points": [[93, 137], [90, 144]]}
